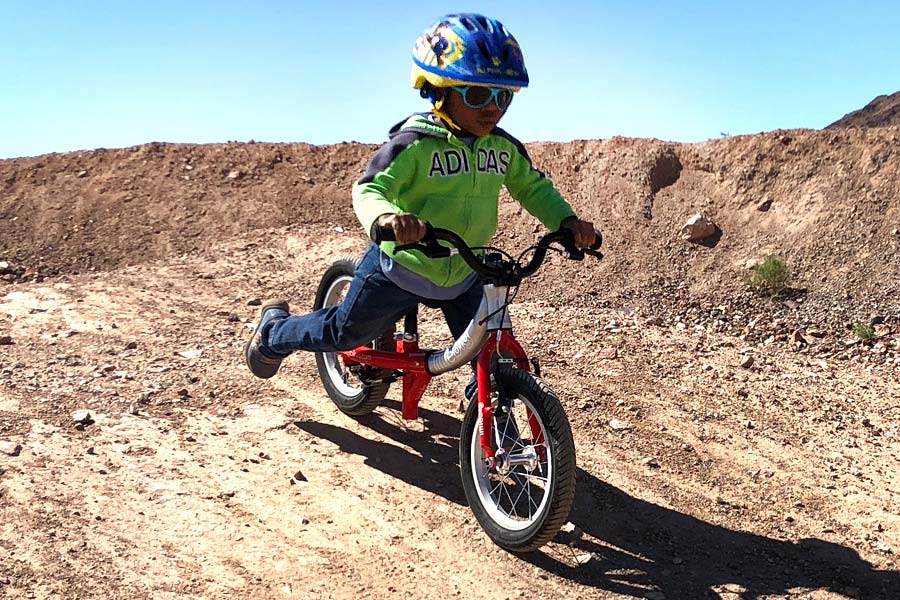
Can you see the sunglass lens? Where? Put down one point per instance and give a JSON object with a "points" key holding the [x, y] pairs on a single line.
{"points": [[478, 97], [504, 97]]}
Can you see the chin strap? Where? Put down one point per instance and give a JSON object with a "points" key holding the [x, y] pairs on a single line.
{"points": [[436, 109], [437, 105]]}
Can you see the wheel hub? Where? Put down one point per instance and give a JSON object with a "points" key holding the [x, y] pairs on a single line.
{"points": [[506, 462]]}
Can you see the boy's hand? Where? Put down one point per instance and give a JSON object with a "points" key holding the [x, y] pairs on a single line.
{"points": [[583, 231], [408, 229]]}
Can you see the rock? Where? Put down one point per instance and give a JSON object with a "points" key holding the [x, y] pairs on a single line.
{"points": [[617, 425], [254, 302], [608, 353], [764, 204], [10, 448], [698, 228], [189, 353], [583, 559], [82, 416], [235, 174], [751, 263], [5, 340], [747, 362], [801, 337], [131, 345]]}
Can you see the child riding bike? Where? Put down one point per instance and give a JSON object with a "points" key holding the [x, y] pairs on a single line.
{"points": [[445, 167]]}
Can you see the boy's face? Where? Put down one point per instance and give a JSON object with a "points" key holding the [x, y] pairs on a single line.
{"points": [[478, 121]]}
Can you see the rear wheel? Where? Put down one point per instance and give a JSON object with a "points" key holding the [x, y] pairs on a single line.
{"points": [[356, 390], [525, 497]]}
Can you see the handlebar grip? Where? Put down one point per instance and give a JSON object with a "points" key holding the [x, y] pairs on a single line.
{"points": [[383, 233]]}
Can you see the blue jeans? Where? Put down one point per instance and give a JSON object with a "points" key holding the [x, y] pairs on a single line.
{"points": [[372, 305]]}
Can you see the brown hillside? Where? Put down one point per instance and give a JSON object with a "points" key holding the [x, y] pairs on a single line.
{"points": [[881, 112], [831, 199]]}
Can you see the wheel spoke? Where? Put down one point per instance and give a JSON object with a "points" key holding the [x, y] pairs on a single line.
{"points": [[532, 477], [523, 490], [505, 492], [518, 494]]}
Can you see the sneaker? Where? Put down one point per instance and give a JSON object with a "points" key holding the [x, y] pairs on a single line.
{"points": [[263, 362], [471, 389]]}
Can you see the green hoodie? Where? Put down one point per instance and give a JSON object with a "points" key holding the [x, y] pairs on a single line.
{"points": [[427, 171]]}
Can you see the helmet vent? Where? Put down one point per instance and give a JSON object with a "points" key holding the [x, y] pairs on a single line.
{"points": [[484, 49], [469, 24], [485, 24]]}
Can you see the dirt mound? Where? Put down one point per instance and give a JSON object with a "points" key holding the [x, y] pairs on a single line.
{"points": [[826, 201], [108, 208], [880, 112]]}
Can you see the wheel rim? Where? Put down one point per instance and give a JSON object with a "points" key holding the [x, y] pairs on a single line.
{"points": [[334, 366], [517, 499]]}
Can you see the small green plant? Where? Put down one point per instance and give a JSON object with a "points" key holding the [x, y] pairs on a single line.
{"points": [[770, 276], [863, 331]]}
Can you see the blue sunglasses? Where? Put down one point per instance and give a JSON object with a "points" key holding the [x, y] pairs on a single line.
{"points": [[477, 96]]}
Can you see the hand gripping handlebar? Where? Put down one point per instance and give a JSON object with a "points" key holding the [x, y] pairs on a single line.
{"points": [[430, 247]]}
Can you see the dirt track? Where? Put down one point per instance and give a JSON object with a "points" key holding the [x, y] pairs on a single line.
{"points": [[195, 480]]}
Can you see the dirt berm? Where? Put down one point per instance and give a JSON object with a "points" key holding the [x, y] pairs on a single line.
{"points": [[731, 444]]}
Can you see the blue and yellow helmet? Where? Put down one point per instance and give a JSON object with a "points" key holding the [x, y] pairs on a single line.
{"points": [[468, 49]]}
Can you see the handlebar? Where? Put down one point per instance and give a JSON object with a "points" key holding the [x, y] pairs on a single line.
{"points": [[430, 247]]}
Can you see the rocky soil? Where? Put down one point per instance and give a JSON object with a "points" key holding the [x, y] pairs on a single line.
{"points": [[731, 444]]}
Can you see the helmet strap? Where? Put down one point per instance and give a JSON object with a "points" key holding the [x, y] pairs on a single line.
{"points": [[437, 97]]}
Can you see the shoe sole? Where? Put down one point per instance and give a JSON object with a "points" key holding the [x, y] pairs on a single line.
{"points": [[282, 304]]}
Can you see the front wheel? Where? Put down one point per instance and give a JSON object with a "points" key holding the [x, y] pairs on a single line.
{"points": [[523, 499], [357, 390]]}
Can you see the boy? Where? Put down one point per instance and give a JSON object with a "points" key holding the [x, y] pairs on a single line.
{"points": [[445, 167]]}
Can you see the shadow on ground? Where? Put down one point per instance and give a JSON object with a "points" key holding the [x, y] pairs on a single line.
{"points": [[636, 547]]}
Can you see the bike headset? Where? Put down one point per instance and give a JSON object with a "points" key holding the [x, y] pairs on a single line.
{"points": [[465, 49]]}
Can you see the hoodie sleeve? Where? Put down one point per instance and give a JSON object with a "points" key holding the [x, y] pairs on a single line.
{"points": [[531, 188], [390, 172]]}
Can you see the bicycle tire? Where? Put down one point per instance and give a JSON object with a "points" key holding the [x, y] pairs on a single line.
{"points": [[552, 478], [349, 393]]}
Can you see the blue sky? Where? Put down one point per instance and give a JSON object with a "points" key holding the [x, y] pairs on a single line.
{"points": [[88, 74]]}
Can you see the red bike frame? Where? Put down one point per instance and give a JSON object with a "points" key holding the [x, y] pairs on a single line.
{"points": [[411, 361]]}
